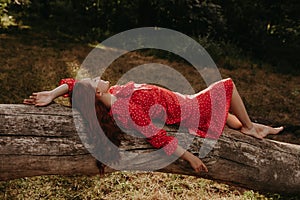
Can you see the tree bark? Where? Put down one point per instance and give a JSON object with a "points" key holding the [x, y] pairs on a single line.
{"points": [[44, 141]]}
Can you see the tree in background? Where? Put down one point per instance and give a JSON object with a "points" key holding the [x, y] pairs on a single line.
{"points": [[6, 19], [268, 29]]}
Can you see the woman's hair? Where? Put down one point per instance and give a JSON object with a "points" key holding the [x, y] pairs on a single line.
{"points": [[96, 115]]}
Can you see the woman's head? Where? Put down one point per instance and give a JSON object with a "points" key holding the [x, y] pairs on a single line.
{"points": [[100, 86], [101, 130]]}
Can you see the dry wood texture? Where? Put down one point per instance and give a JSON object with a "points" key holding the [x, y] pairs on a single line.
{"points": [[43, 141]]}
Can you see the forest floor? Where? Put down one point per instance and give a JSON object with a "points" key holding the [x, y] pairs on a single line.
{"points": [[37, 61]]}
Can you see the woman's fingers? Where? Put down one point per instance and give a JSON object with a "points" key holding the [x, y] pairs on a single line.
{"points": [[200, 167], [28, 101], [33, 102], [204, 168], [32, 99], [41, 103], [38, 99], [25, 101]]}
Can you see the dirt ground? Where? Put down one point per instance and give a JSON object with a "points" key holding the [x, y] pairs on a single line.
{"points": [[33, 62]]}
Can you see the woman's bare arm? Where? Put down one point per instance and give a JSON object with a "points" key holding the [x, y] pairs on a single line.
{"points": [[194, 161], [46, 97]]}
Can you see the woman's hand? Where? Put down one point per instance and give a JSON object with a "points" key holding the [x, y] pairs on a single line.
{"points": [[44, 98], [196, 163], [40, 98]]}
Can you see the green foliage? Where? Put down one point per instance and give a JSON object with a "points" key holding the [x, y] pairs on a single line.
{"points": [[6, 20], [268, 30], [10, 11]]}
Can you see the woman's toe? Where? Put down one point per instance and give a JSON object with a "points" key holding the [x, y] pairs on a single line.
{"points": [[277, 130]]}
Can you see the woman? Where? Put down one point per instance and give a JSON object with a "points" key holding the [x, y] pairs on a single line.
{"points": [[130, 106]]}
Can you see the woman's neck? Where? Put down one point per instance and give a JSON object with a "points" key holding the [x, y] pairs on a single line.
{"points": [[107, 99]]}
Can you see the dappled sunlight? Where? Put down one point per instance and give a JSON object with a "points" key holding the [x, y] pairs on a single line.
{"points": [[38, 65]]}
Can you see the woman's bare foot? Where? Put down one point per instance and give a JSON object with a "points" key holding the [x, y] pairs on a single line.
{"points": [[264, 130], [260, 131], [251, 131]]}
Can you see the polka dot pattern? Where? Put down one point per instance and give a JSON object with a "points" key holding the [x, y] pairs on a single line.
{"points": [[70, 82], [204, 113]]}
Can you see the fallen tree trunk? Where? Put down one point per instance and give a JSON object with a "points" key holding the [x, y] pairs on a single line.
{"points": [[43, 141]]}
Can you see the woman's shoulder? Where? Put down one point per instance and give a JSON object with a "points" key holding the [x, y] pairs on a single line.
{"points": [[122, 90]]}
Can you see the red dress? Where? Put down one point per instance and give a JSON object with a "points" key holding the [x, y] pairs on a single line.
{"points": [[204, 113]]}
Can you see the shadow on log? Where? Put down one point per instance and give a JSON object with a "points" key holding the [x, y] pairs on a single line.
{"points": [[43, 141]]}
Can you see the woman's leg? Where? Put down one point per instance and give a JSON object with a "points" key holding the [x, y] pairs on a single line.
{"points": [[241, 119], [233, 122]]}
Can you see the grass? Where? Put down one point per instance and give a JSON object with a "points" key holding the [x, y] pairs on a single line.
{"points": [[33, 62], [122, 185]]}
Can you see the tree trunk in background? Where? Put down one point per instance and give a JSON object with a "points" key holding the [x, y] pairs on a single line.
{"points": [[43, 141]]}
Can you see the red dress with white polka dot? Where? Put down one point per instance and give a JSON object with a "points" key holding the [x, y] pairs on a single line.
{"points": [[204, 113]]}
